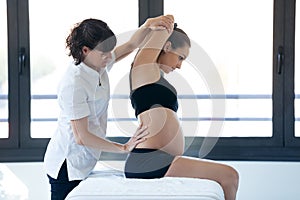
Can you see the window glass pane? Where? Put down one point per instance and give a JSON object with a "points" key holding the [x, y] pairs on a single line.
{"points": [[3, 72], [239, 44], [297, 72], [50, 23]]}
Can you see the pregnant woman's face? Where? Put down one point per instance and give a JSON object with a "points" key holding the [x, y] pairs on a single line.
{"points": [[171, 59]]}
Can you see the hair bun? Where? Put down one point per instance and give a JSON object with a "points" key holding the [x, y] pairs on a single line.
{"points": [[175, 25]]}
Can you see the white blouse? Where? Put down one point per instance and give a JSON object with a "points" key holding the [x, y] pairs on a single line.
{"points": [[82, 92]]}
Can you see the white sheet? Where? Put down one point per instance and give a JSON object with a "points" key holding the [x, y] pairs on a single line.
{"points": [[110, 184]]}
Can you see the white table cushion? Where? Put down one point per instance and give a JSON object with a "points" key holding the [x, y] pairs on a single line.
{"points": [[110, 184]]}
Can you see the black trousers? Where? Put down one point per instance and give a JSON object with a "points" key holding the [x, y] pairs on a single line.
{"points": [[147, 163], [61, 186]]}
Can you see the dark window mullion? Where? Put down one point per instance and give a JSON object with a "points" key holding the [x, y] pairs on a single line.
{"points": [[278, 78], [148, 8], [24, 76], [289, 75]]}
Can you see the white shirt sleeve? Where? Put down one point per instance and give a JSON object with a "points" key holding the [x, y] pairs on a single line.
{"points": [[73, 101]]}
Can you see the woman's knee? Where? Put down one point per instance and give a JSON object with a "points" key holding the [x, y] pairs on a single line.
{"points": [[231, 177]]}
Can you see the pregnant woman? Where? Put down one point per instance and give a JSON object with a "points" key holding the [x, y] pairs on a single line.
{"points": [[155, 102]]}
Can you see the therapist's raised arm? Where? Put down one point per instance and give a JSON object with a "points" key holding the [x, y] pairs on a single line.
{"points": [[164, 21]]}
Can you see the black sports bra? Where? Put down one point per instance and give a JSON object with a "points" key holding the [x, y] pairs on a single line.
{"points": [[158, 94]]}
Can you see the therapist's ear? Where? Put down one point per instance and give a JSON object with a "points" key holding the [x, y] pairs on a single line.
{"points": [[85, 50]]}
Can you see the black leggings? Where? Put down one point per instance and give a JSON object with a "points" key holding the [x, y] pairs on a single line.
{"points": [[61, 186], [147, 163]]}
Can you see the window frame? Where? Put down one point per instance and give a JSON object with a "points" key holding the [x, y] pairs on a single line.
{"points": [[289, 76], [283, 146]]}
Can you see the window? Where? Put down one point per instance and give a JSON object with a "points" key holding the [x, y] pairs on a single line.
{"points": [[240, 46], [49, 57], [3, 72], [297, 73], [246, 96], [253, 55]]}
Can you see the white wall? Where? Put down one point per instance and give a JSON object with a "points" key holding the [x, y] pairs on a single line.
{"points": [[268, 180], [258, 180]]}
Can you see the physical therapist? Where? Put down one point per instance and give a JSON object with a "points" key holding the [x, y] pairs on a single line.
{"points": [[83, 96]]}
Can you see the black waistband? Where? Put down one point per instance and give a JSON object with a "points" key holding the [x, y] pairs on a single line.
{"points": [[143, 150]]}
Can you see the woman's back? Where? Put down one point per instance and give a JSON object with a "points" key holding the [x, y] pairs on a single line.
{"points": [[155, 106]]}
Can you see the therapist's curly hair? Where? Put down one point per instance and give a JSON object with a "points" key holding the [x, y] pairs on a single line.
{"points": [[92, 33]]}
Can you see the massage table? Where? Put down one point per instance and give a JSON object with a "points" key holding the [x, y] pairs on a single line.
{"points": [[109, 183]]}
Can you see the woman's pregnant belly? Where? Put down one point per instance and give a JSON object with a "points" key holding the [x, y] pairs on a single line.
{"points": [[165, 130]]}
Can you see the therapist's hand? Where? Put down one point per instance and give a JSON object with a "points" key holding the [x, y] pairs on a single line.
{"points": [[138, 137]]}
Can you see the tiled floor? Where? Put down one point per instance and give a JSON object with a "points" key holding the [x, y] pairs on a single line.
{"points": [[10, 186]]}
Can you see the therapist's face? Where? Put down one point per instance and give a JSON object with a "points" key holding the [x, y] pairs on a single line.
{"points": [[96, 59]]}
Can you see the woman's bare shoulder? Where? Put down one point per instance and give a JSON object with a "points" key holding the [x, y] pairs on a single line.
{"points": [[144, 74]]}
